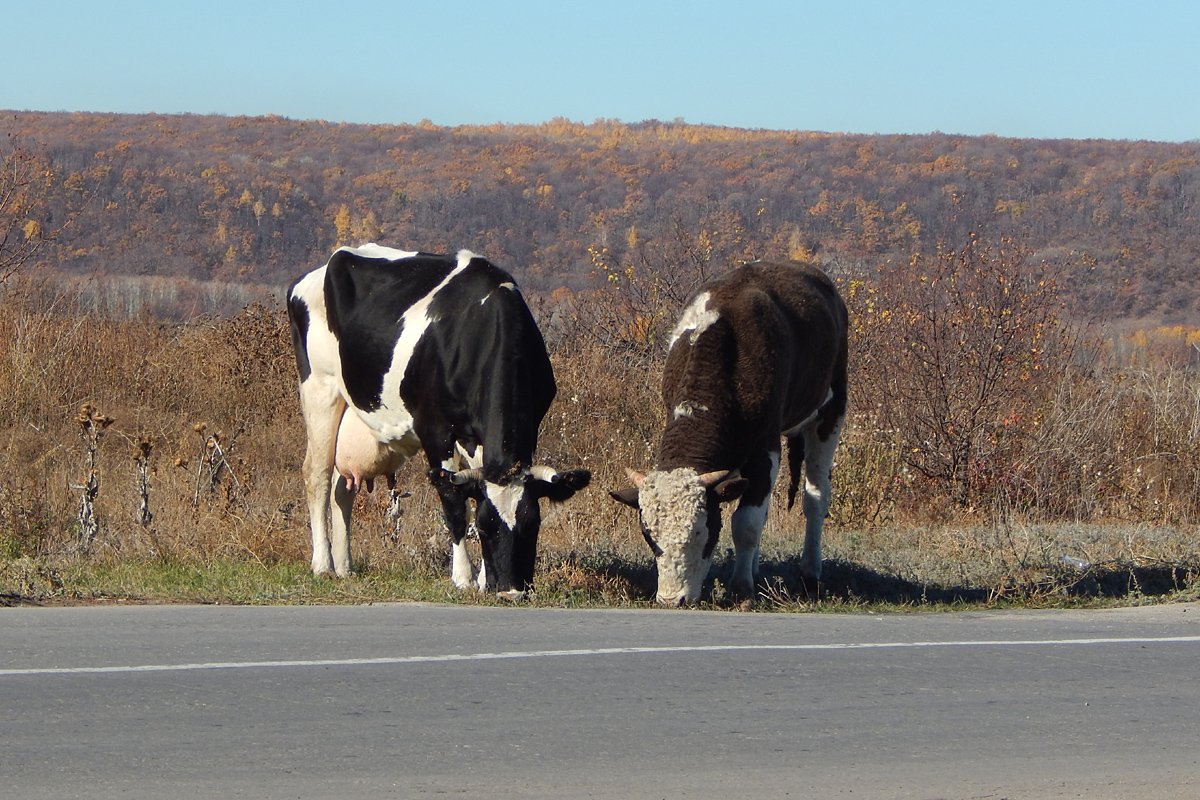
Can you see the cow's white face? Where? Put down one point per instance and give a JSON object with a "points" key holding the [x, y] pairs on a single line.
{"points": [[677, 522], [508, 517]]}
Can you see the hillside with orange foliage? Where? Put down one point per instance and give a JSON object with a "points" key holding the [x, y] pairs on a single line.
{"points": [[258, 200]]}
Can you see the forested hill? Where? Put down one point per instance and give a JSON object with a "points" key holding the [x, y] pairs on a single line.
{"points": [[260, 199]]}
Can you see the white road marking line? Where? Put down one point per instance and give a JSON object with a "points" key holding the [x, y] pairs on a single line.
{"points": [[600, 651]]}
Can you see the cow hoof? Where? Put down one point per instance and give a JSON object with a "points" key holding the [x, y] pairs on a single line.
{"points": [[809, 571], [741, 590], [512, 595]]}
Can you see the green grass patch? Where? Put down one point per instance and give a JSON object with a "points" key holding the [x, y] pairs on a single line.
{"points": [[597, 580]]}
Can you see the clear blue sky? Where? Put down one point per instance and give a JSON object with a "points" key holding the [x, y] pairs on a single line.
{"points": [[1112, 69]]}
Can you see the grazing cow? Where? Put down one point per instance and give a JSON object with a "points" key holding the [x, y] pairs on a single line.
{"points": [[757, 354], [399, 352]]}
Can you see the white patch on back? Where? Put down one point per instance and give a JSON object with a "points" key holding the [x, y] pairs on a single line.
{"points": [[688, 409], [509, 285], [695, 318], [310, 289], [372, 250]]}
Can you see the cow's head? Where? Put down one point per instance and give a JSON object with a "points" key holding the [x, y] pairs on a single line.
{"points": [[508, 516], [680, 512]]}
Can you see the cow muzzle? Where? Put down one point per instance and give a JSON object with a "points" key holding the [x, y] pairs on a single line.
{"points": [[674, 600]]}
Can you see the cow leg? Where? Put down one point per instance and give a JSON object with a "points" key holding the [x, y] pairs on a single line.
{"points": [[339, 529], [818, 467], [481, 581], [462, 572], [493, 549], [322, 408], [454, 509], [474, 460], [749, 519]]}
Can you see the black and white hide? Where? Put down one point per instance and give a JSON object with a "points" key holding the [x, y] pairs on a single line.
{"points": [[404, 351]]}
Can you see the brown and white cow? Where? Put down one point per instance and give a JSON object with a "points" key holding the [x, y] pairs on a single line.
{"points": [[399, 352], [759, 354]]}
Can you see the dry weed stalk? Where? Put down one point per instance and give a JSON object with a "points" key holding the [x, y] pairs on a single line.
{"points": [[394, 512], [213, 463], [92, 425], [141, 457]]}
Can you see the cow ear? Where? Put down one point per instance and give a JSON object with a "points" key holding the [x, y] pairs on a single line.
{"points": [[730, 488], [563, 485], [577, 479], [628, 496]]}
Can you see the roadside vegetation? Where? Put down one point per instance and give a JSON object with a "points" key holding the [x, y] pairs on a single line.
{"points": [[1007, 442], [999, 449]]}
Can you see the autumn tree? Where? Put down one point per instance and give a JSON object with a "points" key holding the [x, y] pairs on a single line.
{"points": [[341, 223], [644, 286], [955, 353], [26, 179]]}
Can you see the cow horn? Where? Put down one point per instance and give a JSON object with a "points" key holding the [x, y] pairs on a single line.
{"points": [[464, 476], [543, 473], [710, 479], [637, 478]]}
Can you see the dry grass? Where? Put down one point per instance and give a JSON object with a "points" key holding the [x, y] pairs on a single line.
{"points": [[1109, 476]]}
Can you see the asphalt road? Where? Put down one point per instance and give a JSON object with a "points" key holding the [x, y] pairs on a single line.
{"points": [[413, 700]]}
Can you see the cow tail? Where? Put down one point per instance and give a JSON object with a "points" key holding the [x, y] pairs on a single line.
{"points": [[795, 445], [834, 411]]}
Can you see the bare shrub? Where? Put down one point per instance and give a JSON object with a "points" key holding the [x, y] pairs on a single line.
{"points": [[1119, 444], [871, 475], [955, 353]]}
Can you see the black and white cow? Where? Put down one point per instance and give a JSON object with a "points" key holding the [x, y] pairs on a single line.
{"points": [[758, 354], [402, 351]]}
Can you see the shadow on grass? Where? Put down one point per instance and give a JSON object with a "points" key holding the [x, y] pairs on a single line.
{"points": [[1117, 582], [842, 582], [614, 580], [846, 582]]}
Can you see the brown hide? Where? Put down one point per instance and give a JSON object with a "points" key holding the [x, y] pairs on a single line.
{"points": [[765, 364]]}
